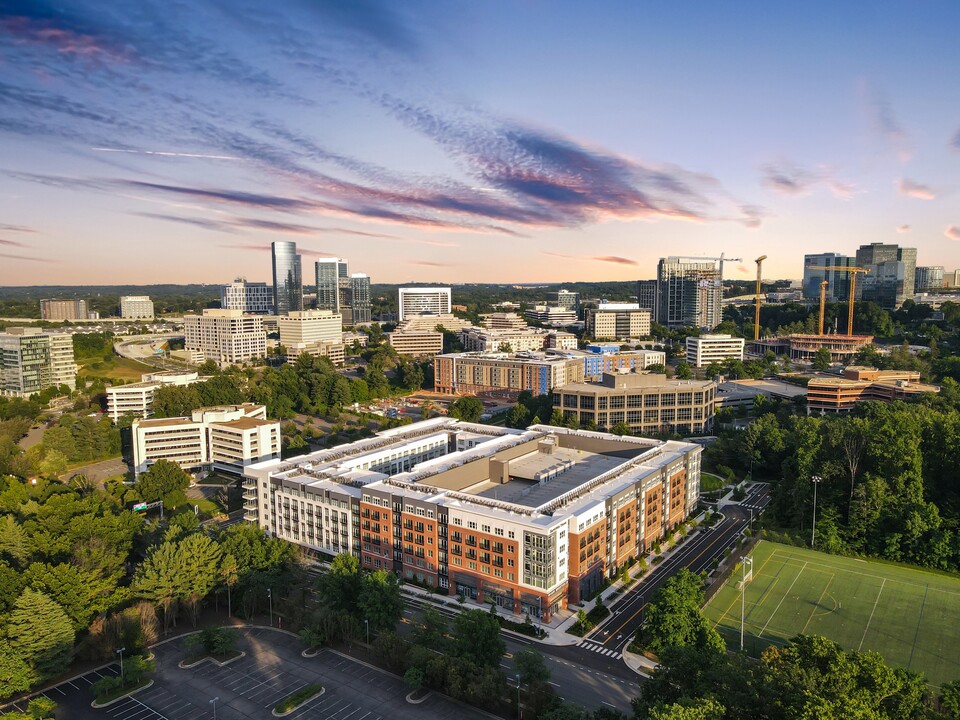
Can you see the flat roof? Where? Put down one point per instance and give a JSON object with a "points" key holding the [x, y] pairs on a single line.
{"points": [[160, 422], [245, 423], [774, 387]]}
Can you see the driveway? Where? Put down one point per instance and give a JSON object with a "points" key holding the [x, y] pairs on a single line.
{"points": [[249, 688], [98, 472]]}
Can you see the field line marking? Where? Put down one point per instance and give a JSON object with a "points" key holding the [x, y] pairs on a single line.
{"points": [[781, 601], [870, 619], [757, 575], [919, 620], [826, 587]]}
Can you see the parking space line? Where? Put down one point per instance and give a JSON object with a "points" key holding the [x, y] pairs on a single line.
{"points": [[288, 692]]}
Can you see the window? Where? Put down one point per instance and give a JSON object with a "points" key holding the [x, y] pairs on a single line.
{"points": [[486, 528], [510, 534], [472, 525], [498, 531]]}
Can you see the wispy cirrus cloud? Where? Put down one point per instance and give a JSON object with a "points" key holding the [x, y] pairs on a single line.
{"points": [[888, 126], [4, 227], [262, 248], [430, 263], [952, 232], [903, 229], [12, 243], [26, 257], [788, 178], [616, 259], [910, 188]]}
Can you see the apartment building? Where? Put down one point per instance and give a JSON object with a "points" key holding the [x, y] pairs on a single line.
{"points": [[504, 375], [706, 349], [689, 293], [530, 520], [648, 403], [247, 297], [224, 438], [859, 384], [611, 321], [421, 300], [503, 340], [136, 307], [32, 360], [225, 336], [560, 340], [64, 310], [136, 399]]}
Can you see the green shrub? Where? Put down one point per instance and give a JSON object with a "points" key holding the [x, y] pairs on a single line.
{"points": [[301, 696]]}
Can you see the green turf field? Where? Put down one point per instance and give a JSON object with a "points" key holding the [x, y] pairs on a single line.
{"points": [[907, 615]]}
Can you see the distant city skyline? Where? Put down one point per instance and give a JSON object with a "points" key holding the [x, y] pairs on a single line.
{"points": [[462, 142]]}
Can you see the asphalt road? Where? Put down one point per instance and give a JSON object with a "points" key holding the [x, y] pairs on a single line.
{"points": [[100, 471], [696, 554]]}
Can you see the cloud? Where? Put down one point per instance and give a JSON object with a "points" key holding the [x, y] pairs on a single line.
{"points": [[615, 259], [430, 263], [560, 255], [955, 141], [743, 269], [909, 188], [266, 248], [952, 232], [788, 178], [903, 228], [12, 243], [888, 126], [16, 228], [26, 257]]}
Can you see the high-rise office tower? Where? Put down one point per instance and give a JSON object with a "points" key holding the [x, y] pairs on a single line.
{"points": [[420, 300], [248, 297], [287, 278], [566, 299], [330, 272], [892, 273], [929, 278], [31, 360], [360, 298], [838, 281], [647, 295], [689, 293]]}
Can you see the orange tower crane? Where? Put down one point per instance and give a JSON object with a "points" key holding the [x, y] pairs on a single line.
{"points": [[823, 304], [756, 315], [854, 271]]}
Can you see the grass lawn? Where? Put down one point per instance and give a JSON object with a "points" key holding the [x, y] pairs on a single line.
{"points": [[710, 482], [906, 614], [116, 368]]}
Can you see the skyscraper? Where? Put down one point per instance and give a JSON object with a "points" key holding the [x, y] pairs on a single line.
{"points": [[838, 281], [360, 298], [330, 274], [892, 274], [287, 279], [647, 295], [929, 278], [689, 293]]}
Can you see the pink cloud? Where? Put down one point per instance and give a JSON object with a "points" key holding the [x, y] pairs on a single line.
{"points": [[903, 229], [909, 188], [429, 263], [11, 243], [616, 259], [953, 232]]}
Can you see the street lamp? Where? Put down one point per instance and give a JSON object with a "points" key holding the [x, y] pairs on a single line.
{"points": [[519, 711], [119, 651], [816, 480], [270, 600], [213, 702], [367, 623], [743, 593]]}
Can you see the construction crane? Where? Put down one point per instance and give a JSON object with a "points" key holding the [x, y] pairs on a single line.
{"points": [[823, 304], [756, 317], [854, 271]]}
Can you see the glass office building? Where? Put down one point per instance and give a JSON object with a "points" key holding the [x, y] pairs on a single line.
{"points": [[287, 279]]}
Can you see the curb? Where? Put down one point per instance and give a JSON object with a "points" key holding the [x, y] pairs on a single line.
{"points": [[300, 705], [97, 706], [410, 699], [211, 659]]}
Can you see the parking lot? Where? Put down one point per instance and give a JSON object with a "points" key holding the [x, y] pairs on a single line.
{"points": [[251, 686]]}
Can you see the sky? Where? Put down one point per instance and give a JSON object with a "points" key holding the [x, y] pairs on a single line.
{"points": [[158, 141]]}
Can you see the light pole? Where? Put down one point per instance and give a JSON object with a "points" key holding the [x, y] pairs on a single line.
{"points": [[519, 711], [270, 600], [213, 701], [119, 651], [743, 593], [367, 623], [816, 480]]}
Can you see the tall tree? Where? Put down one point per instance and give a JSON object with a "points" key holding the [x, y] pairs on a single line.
{"points": [[477, 638], [379, 602], [164, 480], [40, 632]]}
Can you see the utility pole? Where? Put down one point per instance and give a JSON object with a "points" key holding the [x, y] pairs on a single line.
{"points": [[270, 600], [213, 702], [816, 480], [119, 652], [519, 711], [743, 593], [367, 623]]}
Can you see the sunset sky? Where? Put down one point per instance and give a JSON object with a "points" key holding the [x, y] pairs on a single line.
{"points": [[485, 141]]}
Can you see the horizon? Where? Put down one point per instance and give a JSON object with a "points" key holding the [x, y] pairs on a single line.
{"points": [[431, 140]]}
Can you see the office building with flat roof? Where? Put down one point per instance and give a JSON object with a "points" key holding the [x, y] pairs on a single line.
{"points": [[551, 315], [136, 307], [504, 375], [136, 399], [566, 299], [32, 360], [647, 296], [315, 332], [476, 339], [287, 278], [610, 321], [64, 310], [706, 349], [248, 297], [859, 384], [892, 276], [818, 267], [529, 520], [227, 337], [416, 343], [424, 300], [503, 321], [225, 438], [928, 278], [331, 272], [689, 293], [647, 403]]}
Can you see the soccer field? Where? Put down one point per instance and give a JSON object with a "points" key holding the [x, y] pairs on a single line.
{"points": [[907, 615]]}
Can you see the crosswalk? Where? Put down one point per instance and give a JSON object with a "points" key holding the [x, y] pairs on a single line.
{"points": [[597, 648]]}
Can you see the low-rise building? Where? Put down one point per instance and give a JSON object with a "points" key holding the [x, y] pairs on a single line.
{"points": [[504, 321], [136, 307], [225, 336], [64, 310], [551, 315], [530, 520], [504, 375], [803, 348], [224, 438], [503, 340], [32, 360], [247, 297], [707, 349], [136, 399], [859, 384], [647, 403], [315, 332], [560, 340], [417, 343]]}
